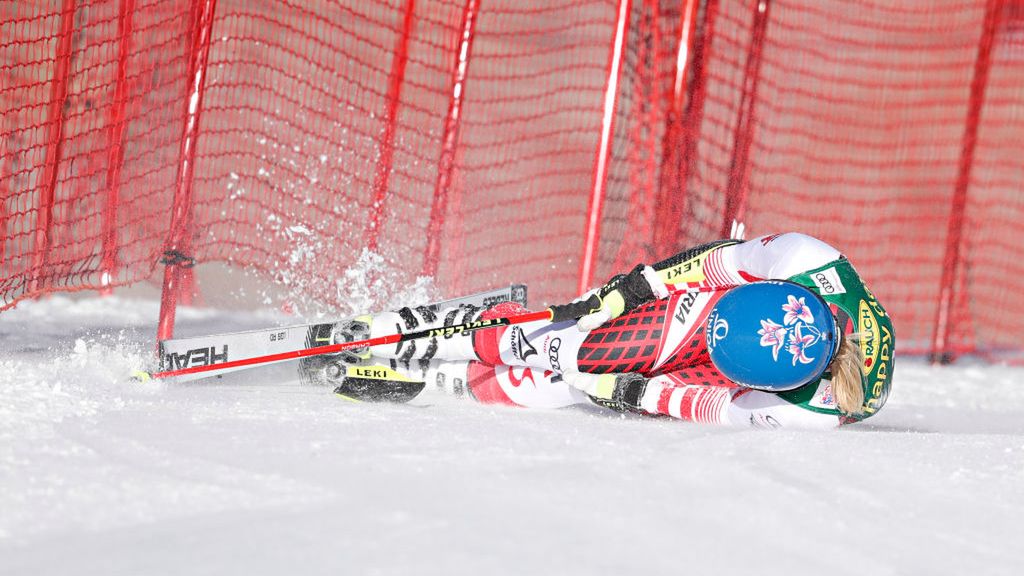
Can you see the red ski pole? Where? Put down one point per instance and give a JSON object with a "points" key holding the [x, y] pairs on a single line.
{"points": [[446, 331]]}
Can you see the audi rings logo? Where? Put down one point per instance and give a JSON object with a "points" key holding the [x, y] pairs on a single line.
{"points": [[828, 282], [553, 354], [823, 282], [717, 329]]}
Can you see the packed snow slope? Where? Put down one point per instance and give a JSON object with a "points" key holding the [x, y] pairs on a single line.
{"points": [[258, 474]]}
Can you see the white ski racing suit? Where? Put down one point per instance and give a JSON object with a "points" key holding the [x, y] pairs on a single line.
{"points": [[664, 341]]}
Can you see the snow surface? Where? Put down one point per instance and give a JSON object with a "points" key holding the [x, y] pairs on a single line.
{"points": [[259, 474]]}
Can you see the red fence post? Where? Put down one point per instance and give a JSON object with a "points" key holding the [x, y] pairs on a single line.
{"points": [[177, 255], [672, 192], [449, 141], [5, 190], [648, 101], [739, 169], [604, 150], [954, 239], [387, 142], [54, 146], [115, 152]]}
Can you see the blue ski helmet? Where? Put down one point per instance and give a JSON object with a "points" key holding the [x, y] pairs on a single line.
{"points": [[772, 335]]}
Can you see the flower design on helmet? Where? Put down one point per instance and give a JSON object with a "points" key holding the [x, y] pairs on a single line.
{"points": [[772, 335], [798, 344], [795, 310], [796, 332]]}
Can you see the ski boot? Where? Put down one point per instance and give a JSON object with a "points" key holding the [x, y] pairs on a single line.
{"points": [[325, 369], [352, 331], [411, 356]]}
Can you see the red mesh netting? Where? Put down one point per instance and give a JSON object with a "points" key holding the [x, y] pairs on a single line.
{"points": [[92, 105], [460, 137], [851, 121]]}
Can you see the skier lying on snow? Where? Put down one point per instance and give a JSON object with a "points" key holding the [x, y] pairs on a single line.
{"points": [[799, 341]]}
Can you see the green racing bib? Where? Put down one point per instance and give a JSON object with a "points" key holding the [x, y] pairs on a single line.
{"points": [[858, 311]]}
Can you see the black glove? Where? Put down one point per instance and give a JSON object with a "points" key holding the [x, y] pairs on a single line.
{"points": [[621, 294], [620, 392]]}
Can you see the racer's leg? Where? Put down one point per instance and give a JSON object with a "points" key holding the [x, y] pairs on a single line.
{"points": [[475, 364], [542, 345], [509, 385]]}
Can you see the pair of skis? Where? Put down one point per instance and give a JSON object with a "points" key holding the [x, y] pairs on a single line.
{"points": [[187, 359]]}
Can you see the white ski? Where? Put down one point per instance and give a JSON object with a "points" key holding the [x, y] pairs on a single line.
{"points": [[218, 348]]}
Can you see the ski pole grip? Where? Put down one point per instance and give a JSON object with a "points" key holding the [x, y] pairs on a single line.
{"points": [[575, 310]]}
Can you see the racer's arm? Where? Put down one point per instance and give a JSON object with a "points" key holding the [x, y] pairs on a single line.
{"points": [[773, 257], [716, 264], [677, 395]]}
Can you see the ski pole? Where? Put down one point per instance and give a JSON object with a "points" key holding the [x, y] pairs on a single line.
{"points": [[445, 331]]}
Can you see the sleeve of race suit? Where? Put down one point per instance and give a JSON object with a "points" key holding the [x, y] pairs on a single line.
{"points": [[680, 396], [672, 395], [729, 263], [716, 264]]}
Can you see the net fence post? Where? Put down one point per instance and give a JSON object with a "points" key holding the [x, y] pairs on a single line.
{"points": [[115, 151], [396, 78], [648, 104], [450, 140], [672, 184], [592, 229], [177, 258], [940, 348]]}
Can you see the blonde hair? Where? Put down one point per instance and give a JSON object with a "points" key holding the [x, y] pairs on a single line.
{"points": [[846, 378]]}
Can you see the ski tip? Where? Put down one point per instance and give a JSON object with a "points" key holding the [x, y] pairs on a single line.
{"points": [[141, 376], [339, 394]]}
